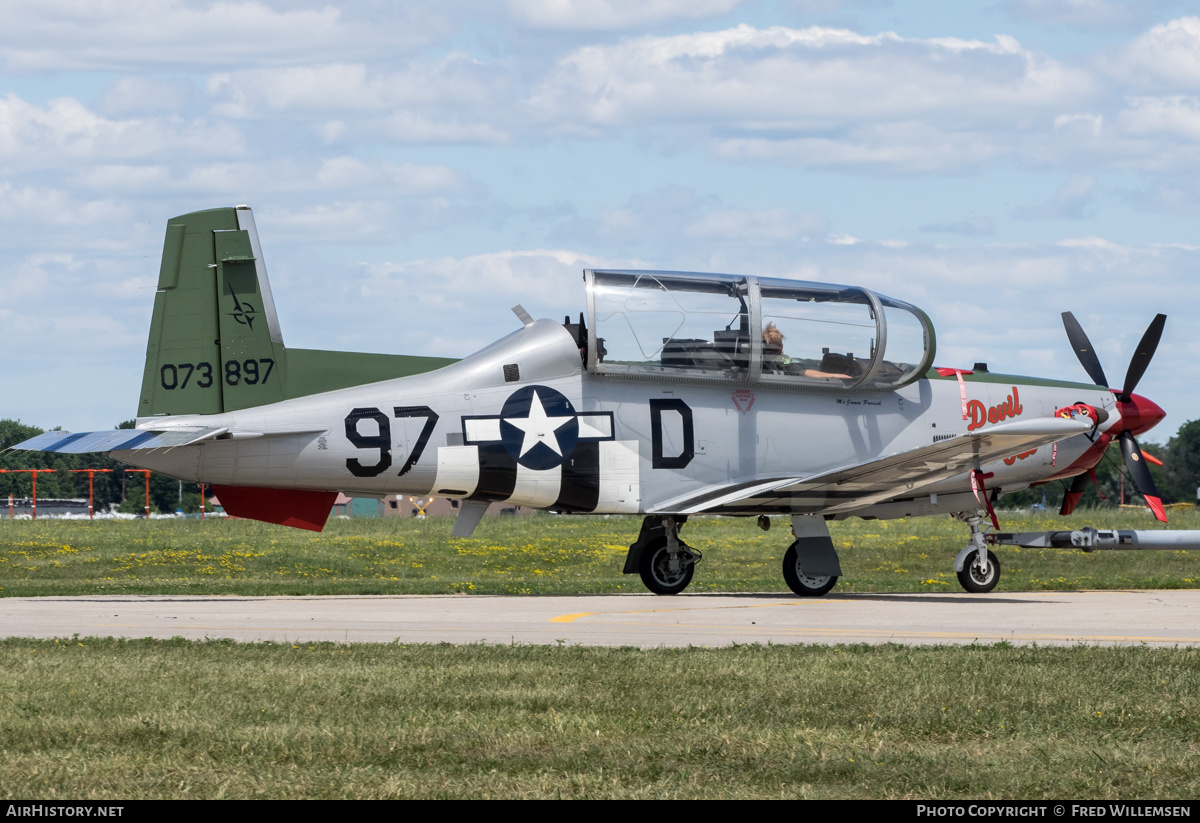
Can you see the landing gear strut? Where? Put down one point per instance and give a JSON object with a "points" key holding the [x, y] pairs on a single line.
{"points": [[666, 564], [978, 569]]}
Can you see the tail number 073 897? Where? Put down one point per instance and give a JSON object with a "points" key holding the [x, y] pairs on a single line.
{"points": [[250, 372], [381, 441]]}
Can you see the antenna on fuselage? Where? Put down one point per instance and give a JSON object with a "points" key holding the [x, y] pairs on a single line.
{"points": [[522, 315]]}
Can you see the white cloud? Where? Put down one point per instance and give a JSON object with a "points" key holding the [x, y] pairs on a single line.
{"points": [[966, 227], [453, 79], [1098, 244], [36, 208], [65, 130], [781, 79], [1166, 57], [63, 35], [409, 127], [676, 227], [772, 225], [452, 98], [1170, 116], [145, 96], [339, 176], [1070, 202], [405, 178], [817, 96], [1083, 14], [613, 15], [459, 305], [892, 148]]}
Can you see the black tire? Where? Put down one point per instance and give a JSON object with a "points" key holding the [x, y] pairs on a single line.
{"points": [[805, 585], [976, 581], [655, 569]]}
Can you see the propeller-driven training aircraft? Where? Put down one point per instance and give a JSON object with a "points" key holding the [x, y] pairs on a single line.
{"points": [[676, 394]]}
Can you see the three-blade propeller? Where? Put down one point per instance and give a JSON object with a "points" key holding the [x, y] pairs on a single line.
{"points": [[1135, 461]]}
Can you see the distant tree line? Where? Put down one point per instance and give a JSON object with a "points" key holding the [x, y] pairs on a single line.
{"points": [[127, 491]]}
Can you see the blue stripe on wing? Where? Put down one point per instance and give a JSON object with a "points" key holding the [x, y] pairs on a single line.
{"points": [[106, 441]]}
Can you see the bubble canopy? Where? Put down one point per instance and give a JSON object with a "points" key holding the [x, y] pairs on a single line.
{"points": [[753, 329]]}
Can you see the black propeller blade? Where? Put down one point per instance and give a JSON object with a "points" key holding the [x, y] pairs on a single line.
{"points": [[1084, 349], [1074, 494], [1141, 356], [1135, 461]]}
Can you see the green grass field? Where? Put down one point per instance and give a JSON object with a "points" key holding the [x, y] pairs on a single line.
{"points": [[110, 719], [172, 719], [542, 554]]}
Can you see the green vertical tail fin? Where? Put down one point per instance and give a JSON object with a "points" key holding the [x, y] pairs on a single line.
{"points": [[214, 340], [215, 343]]}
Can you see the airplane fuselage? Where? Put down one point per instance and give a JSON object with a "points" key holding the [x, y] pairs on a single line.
{"points": [[523, 422]]}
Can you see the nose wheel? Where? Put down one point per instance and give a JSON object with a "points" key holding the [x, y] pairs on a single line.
{"points": [[978, 569], [980, 578]]}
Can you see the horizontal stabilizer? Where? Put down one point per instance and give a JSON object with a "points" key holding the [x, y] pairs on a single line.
{"points": [[120, 439], [285, 507], [131, 439]]}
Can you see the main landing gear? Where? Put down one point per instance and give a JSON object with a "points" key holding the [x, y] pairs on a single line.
{"points": [[666, 564], [810, 565], [805, 585], [978, 569]]}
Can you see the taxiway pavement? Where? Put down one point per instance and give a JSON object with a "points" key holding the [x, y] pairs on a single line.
{"points": [[1156, 618]]}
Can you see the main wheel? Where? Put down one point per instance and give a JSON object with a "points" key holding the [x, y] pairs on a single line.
{"points": [[656, 569], [805, 585], [977, 580]]}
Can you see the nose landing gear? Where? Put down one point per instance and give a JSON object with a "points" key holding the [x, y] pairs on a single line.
{"points": [[978, 569]]}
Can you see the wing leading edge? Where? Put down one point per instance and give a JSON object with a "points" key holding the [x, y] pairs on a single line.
{"points": [[864, 484], [136, 439]]}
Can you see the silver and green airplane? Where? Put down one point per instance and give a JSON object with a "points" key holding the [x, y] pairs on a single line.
{"points": [[675, 394]]}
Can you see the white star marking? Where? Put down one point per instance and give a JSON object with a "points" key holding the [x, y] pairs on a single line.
{"points": [[538, 427]]}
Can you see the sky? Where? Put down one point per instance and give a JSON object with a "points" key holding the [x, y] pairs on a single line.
{"points": [[416, 168]]}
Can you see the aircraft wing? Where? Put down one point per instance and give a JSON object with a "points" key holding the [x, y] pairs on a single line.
{"points": [[864, 484], [129, 439]]}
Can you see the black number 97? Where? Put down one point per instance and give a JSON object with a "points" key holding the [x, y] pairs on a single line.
{"points": [[382, 440]]}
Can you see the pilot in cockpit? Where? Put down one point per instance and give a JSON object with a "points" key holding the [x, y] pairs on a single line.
{"points": [[773, 347], [775, 359]]}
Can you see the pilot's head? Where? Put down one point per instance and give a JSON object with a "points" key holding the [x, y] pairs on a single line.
{"points": [[773, 336]]}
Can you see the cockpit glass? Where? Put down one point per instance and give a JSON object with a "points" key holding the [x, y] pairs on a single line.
{"points": [[816, 335], [907, 342], [727, 327], [659, 323]]}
